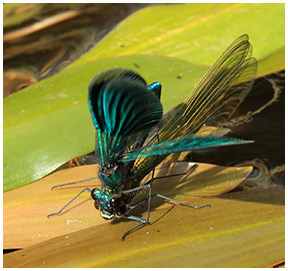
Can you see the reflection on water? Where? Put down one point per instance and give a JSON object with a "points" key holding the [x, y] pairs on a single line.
{"points": [[42, 39], [260, 118]]}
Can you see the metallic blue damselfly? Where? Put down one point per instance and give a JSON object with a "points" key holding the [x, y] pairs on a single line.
{"points": [[132, 136]]}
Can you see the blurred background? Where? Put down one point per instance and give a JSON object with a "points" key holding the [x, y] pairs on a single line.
{"points": [[41, 39]]}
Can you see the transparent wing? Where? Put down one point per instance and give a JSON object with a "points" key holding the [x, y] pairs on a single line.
{"points": [[218, 93], [214, 99]]}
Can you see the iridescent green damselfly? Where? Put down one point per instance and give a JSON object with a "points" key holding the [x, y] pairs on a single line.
{"points": [[132, 136]]}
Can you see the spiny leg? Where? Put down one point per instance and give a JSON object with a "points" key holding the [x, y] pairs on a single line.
{"points": [[82, 181], [134, 191], [59, 212], [181, 202], [142, 221], [133, 229], [168, 176], [139, 189], [177, 201]]}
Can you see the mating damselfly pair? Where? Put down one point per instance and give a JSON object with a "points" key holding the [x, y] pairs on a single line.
{"points": [[133, 136]]}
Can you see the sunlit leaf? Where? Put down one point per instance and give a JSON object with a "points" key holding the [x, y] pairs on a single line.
{"points": [[272, 63], [26, 208], [197, 33], [49, 123], [244, 225]]}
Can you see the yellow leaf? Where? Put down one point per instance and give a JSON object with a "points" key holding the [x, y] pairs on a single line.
{"points": [[26, 208]]}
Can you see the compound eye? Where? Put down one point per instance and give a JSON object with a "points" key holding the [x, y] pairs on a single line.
{"points": [[115, 202], [93, 194], [121, 210]]}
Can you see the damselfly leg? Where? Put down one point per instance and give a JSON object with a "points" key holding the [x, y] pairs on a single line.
{"points": [[64, 207], [66, 184], [149, 197]]}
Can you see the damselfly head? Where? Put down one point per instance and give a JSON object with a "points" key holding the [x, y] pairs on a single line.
{"points": [[118, 205], [109, 203], [107, 215]]}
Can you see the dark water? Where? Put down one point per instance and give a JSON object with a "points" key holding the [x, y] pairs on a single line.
{"points": [[65, 32], [260, 118]]}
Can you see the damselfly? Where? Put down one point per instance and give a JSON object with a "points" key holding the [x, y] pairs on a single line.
{"points": [[131, 139]]}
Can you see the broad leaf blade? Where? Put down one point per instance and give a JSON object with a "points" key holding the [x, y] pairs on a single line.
{"points": [[49, 123], [245, 225], [204, 31], [26, 208]]}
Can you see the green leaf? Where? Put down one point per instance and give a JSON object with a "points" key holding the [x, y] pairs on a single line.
{"points": [[197, 33], [244, 229], [49, 123], [272, 63]]}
